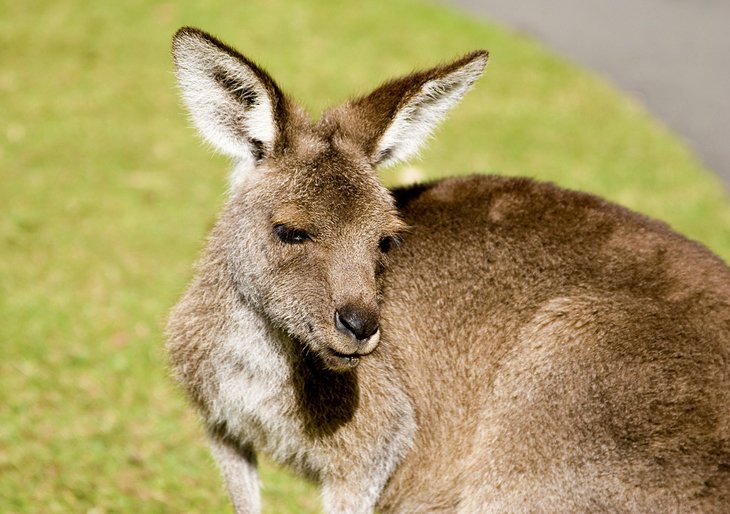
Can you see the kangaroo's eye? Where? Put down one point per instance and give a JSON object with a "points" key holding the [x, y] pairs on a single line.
{"points": [[290, 235], [388, 242]]}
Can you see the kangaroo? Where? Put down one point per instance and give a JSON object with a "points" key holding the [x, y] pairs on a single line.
{"points": [[476, 344]]}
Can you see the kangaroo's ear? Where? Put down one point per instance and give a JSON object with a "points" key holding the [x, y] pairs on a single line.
{"points": [[393, 122], [235, 105]]}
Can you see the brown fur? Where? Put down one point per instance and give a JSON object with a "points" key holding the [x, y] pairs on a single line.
{"points": [[539, 349]]}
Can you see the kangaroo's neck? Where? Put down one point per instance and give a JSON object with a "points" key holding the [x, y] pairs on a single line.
{"points": [[271, 387]]}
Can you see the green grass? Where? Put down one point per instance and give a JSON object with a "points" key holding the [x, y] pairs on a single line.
{"points": [[107, 194]]}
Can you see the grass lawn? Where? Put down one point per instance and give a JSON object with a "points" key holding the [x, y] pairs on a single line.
{"points": [[107, 195]]}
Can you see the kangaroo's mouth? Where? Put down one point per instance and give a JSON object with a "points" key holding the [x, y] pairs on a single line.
{"points": [[340, 361]]}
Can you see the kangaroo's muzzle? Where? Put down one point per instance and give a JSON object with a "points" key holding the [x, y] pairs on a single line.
{"points": [[362, 328]]}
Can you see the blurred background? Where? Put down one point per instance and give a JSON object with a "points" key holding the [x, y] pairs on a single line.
{"points": [[107, 194], [670, 55]]}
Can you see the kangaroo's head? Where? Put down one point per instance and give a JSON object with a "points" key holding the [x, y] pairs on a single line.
{"points": [[308, 225]]}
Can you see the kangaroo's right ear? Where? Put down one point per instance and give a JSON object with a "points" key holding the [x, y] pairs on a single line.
{"points": [[236, 105]]}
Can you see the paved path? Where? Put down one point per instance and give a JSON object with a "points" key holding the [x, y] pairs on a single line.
{"points": [[673, 55]]}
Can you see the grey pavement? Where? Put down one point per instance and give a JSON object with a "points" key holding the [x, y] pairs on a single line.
{"points": [[672, 55]]}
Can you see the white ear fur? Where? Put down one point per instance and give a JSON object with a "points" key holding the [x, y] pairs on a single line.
{"points": [[227, 100], [416, 120]]}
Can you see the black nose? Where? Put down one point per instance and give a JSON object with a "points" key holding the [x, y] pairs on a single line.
{"points": [[356, 322]]}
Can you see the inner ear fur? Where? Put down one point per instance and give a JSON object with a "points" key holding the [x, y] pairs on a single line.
{"points": [[234, 103], [391, 123]]}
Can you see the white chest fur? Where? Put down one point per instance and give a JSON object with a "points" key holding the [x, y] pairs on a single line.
{"points": [[255, 399]]}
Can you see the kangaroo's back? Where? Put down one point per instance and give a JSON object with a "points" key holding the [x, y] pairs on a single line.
{"points": [[567, 353]]}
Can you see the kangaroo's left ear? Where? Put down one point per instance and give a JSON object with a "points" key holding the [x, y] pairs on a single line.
{"points": [[393, 122]]}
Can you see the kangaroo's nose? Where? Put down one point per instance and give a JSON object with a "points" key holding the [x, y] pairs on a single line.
{"points": [[356, 322]]}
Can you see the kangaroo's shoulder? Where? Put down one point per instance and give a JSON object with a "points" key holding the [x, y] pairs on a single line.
{"points": [[520, 205], [538, 225], [501, 196]]}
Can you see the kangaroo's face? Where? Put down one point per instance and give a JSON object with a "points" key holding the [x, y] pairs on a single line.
{"points": [[311, 237], [308, 224]]}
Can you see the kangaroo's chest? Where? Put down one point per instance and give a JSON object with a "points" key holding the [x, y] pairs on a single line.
{"points": [[255, 399]]}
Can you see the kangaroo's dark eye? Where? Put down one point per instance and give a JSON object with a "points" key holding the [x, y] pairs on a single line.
{"points": [[388, 242], [290, 235]]}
